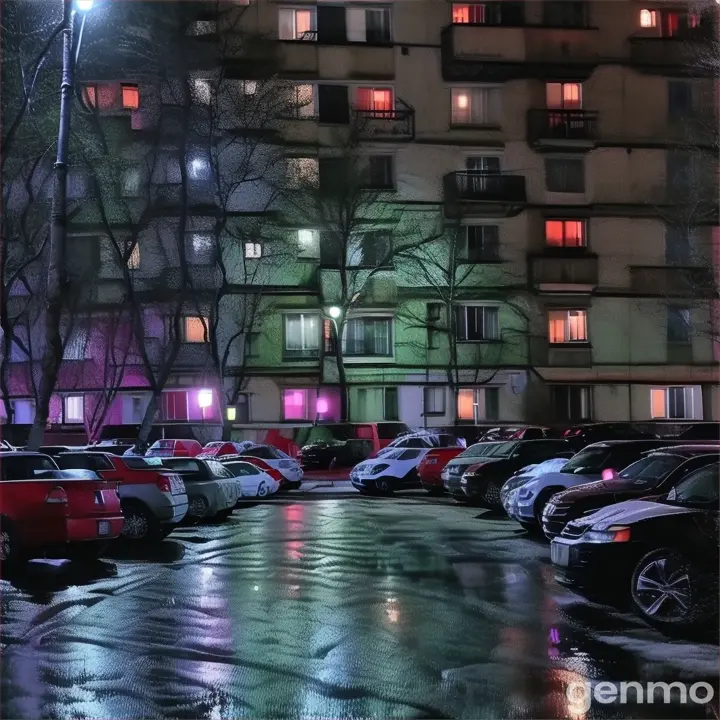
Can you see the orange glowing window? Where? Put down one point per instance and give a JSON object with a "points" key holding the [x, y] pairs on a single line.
{"points": [[461, 14], [466, 404], [469, 13], [375, 99], [565, 233], [567, 326], [658, 406], [89, 96], [303, 22], [563, 96], [648, 18], [130, 97], [196, 329]]}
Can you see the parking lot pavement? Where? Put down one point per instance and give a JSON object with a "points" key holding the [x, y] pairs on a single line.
{"points": [[362, 608]]}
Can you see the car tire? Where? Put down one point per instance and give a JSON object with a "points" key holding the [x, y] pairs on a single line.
{"points": [[140, 524], [384, 485], [669, 591], [198, 508], [540, 502], [10, 550]]}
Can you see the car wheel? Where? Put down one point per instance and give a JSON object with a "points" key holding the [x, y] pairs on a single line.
{"points": [[491, 495], [542, 500], [262, 490], [384, 485], [139, 523], [198, 508], [9, 546], [668, 590]]}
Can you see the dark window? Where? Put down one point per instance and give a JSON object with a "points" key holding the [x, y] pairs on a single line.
{"points": [[434, 318], [371, 249], [677, 402], [242, 408], [391, 404], [330, 250], [679, 172], [380, 172], [377, 26], [253, 338], [333, 174], [565, 175], [679, 99], [434, 404], [482, 243], [368, 336], [571, 403], [678, 325], [331, 24], [25, 467], [677, 245], [85, 253], [700, 487], [476, 322], [566, 13], [333, 105]]}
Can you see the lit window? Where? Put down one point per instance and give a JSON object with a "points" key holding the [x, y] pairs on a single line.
{"points": [[296, 24], [73, 409], [308, 244], [203, 91], [567, 326], [475, 106], [565, 233], [672, 403], [302, 335], [563, 96], [130, 97], [296, 404], [199, 168], [196, 329], [133, 261], [648, 18], [253, 250], [477, 404], [377, 100], [474, 14], [89, 95]]}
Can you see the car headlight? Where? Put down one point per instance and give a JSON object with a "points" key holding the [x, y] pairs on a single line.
{"points": [[375, 469], [615, 533], [525, 494], [463, 481]]}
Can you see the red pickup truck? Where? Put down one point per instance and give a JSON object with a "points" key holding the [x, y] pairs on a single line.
{"points": [[47, 511]]}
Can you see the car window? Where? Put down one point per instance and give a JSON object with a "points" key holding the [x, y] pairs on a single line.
{"points": [[649, 471], [700, 487], [182, 464], [478, 450], [503, 449], [78, 461], [138, 463], [166, 444], [590, 460], [25, 467], [408, 455], [387, 430], [216, 444], [242, 468], [218, 470], [260, 452]]}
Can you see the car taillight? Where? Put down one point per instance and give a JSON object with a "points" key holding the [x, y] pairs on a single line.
{"points": [[163, 483], [57, 496]]}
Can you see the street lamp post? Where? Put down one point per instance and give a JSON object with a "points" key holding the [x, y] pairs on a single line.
{"points": [[335, 314], [52, 357]]}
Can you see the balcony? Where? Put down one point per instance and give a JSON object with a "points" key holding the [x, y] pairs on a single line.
{"points": [[564, 274], [350, 61], [562, 129], [500, 53], [475, 193], [397, 124], [665, 280], [657, 54]]}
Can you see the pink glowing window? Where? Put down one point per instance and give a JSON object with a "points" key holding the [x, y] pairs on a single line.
{"points": [[296, 404], [565, 233], [378, 100]]}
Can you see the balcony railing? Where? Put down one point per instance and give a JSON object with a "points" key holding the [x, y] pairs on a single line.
{"points": [[548, 270], [397, 124], [475, 186], [550, 126]]}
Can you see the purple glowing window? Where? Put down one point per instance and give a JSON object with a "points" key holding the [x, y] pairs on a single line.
{"points": [[295, 404]]}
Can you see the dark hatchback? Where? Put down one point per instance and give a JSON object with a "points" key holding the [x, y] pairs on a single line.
{"points": [[655, 474], [481, 482], [597, 432], [663, 553]]}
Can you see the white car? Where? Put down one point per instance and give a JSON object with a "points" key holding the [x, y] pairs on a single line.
{"points": [[393, 471], [252, 480], [425, 440], [288, 467]]}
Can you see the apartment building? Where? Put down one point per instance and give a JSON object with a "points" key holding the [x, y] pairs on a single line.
{"points": [[538, 243]]}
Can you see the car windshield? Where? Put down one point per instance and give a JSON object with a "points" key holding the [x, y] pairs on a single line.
{"points": [[139, 463], [478, 450], [591, 460], [545, 467], [700, 488], [78, 461], [504, 449], [182, 464], [242, 468], [262, 451], [25, 467], [649, 471]]}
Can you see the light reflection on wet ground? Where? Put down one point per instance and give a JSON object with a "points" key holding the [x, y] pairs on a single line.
{"points": [[334, 609]]}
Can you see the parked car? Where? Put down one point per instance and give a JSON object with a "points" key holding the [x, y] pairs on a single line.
{"points": [[174, 448], [529, 472], [654, 474], [252, 480], [288, 467], [153, 499], [211, 488], [45, 510], [514, 433], [261, 465], [54, 450], [116, 447], [662, 553], [596, 432], [526, 503], [395, 471], [422, 439], [453, 471], [431, 467], [6, 446], [701, 431], [327, 455], [481, 482], [218, 448]]}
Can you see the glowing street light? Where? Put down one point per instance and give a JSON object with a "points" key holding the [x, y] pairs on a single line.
{"points": [[335, 312], [84, 5], [205, 398]]}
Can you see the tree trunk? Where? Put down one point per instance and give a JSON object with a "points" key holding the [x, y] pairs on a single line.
{"points": [[147, 421]]}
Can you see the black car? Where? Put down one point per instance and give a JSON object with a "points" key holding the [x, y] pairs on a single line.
{"points": [[514, 433], [662, 553], [482, 481], [701, 431], [597, 432], [323, 455], [655, 474]]}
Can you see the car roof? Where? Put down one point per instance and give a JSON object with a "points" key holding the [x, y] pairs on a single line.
{"points": [[21, 453], [694, 449], [613, 443]]}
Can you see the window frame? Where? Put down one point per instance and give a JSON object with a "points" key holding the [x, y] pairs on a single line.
{"points": [[548, 175], [206, 329], [306, 403], [582, 222], [356, 248], [76, 420], [435, 390], [315, 237], [477, 404], [462, 337], [306, 352], [684, 316], [311, 33], [566, 415], [566, 326], [464, 250], [366, 178], [688, 401], [365, 317], [252, 250], [396, 416], [134, 90], [493, 114]]}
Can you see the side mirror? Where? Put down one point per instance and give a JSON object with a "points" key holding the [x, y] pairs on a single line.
{"points": [[609, 474]]}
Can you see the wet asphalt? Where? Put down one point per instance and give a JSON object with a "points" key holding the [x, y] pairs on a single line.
{"points": [[328, 608]]}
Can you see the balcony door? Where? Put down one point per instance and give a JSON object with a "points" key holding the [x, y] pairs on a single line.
{"points": [[478, 168]]}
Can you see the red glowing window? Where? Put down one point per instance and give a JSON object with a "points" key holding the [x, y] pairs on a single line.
{"points": [[469, 14], [130, 97], [565, 233], [563, 96], [378, 100]]}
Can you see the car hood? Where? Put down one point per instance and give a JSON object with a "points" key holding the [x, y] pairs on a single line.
{"points": [[632, 511], [567, 480], [601, 487], [486, 463]]}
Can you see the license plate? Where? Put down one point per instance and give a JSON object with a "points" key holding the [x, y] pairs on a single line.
{"points": [[103, 527], [560, 554]]}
